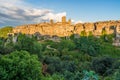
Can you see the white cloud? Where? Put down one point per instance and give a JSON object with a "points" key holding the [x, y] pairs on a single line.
{"points": [[12, 11], [56, 17], [79, 22]]}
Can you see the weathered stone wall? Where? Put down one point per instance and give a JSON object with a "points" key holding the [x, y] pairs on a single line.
{"points": [[66, 28]]}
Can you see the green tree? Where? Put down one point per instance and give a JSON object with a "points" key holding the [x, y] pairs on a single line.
{"points": [[53, 77], [68, 75], [83, 33], [89, 45], [1, 45], [90, 33], [6, 46], [117, 74], [5, 30], [20, 65], [89, 75], [107, 38], [28, 44], [54, 64], [69, 44], [103, 66], [104, 32]]}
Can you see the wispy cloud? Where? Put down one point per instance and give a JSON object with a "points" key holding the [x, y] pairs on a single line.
{"points": [[16, 12]]}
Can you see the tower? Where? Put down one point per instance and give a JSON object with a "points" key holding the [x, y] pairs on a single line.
{"points": [[51, 21], [64, 19]]}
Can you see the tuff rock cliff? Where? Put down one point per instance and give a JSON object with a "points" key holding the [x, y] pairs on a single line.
{"points": [[66, 28]]}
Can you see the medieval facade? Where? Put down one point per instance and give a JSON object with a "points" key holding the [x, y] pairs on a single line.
{"points": [[66, 28]]}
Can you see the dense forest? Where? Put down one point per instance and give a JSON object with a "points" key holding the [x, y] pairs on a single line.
{"points": [[24, 57]]}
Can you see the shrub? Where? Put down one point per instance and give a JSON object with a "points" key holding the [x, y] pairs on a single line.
{"points": [[28, 44], [5, 30], [89, 75], [69, 66], [53, 77], [68, 75], [20, 65], [117, 75], [69, 44], [89, 45], [103, 66], [6, 46], [54, 64]]}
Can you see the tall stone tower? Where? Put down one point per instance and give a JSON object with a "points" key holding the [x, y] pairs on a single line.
{"points": [[51, 21], [64, 19]]}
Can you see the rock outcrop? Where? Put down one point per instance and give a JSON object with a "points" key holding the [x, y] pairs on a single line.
{"points": [[65, 28]]}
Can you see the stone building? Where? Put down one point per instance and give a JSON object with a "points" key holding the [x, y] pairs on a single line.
{"points": [[66, 28]]}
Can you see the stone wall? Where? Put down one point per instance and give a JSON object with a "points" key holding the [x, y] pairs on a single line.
{"points": [[65, 28]]}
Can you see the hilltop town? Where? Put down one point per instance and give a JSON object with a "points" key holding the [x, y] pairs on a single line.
{"points": [[66, 28]]}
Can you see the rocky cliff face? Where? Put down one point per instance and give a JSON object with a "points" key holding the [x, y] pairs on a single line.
{"points": [[66, 28]]}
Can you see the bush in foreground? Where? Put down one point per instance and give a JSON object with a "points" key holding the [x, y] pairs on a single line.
{"points": [[20, 65]]}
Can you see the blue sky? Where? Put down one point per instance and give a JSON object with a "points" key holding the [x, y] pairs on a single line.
{"points": [[36, 11], [86, 10]]}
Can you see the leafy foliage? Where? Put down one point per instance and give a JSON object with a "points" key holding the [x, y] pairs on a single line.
{"points": [[69, 59], [103, 66], [20, 65], [117, 74], [6, 46], [4, 31], [28, 44], [88, 45], [69, 44], [83, 33], [90, 75], [53, 77]]}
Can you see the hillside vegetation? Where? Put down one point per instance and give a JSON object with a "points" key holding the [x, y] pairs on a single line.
{"points": [[5, 30], [84, 58]]}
